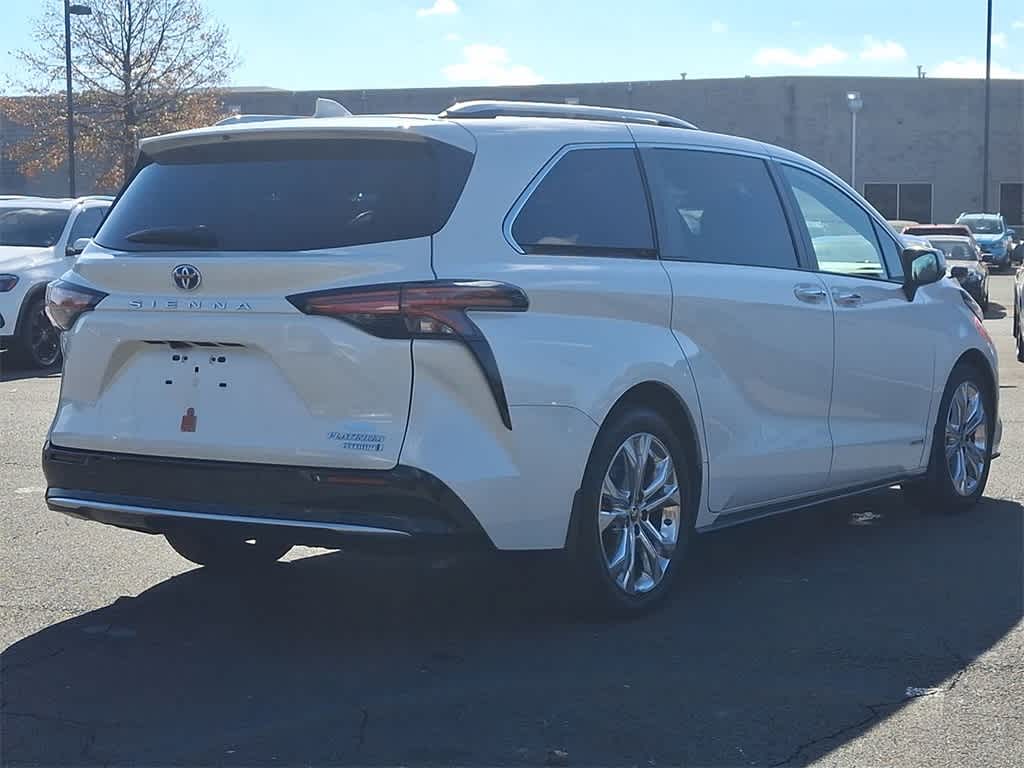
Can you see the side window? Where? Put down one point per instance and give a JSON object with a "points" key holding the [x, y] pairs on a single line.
{"points": [[704, 201], [86, 224], [890, 251], [841, 232], [591, 202]]}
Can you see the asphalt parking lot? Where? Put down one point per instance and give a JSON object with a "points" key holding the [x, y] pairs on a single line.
{"points": [[862, 633]]}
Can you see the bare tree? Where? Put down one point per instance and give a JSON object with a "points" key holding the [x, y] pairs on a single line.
{"points": [[142, 67]]}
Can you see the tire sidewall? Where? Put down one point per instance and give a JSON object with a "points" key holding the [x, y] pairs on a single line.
{"points": [[35, 305], [586, 550], [939, 478]]}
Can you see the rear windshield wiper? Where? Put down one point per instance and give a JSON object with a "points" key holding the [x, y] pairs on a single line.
{"points": [[200, 236]]}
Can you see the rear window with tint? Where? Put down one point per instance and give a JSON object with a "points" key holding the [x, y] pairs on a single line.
{"points": [[592, 202], [293, 195]]}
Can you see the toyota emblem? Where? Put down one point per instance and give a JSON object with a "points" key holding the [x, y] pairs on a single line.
{"points": [[187, 277]]}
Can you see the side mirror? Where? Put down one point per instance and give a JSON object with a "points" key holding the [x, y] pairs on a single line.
{"points": [[78, 246], [921, 266], [1012, 233]]}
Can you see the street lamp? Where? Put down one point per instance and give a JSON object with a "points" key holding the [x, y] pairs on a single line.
{"points": [[854, 102], [69, 11]]}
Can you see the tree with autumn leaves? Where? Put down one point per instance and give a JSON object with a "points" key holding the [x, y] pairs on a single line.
{"points": [[139, 68]]}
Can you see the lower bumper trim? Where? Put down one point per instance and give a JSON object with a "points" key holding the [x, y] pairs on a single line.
{"points": [[335, 508], [86, 508]]}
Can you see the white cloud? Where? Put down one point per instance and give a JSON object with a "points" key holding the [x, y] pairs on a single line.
{"points": [[786, 57], [796, 24], [999, 39], [439, 8], [968, 67], [882, 50], [489, 65], [452, 37], [1019, 24], [719, 27]]}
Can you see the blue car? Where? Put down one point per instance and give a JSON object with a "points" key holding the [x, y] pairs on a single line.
{"points": [[992, 235]]}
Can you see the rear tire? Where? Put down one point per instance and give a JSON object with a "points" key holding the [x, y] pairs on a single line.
{"points": [[226, 552], [961, 446], [632, 527], [37, 345]]}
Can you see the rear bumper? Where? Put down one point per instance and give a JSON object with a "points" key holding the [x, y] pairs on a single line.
{"points": [[399, 508]]}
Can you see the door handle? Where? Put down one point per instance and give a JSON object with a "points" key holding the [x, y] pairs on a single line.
{"points": [[812, 294], [847, 298]]}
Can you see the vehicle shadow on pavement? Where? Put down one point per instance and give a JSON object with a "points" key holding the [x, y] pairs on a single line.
{"points": [[12, 373], [792, 637]]}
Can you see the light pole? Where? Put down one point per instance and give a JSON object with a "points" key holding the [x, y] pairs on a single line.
{"points": [[69, 11], [988, 110], [854, 102]]}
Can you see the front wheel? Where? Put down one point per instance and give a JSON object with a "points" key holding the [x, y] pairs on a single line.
{"points": [[961, 446], [226, 552], [635, 514]]}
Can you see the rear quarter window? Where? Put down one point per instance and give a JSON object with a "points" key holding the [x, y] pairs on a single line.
{"points": [[591, 202], [293, 195]]}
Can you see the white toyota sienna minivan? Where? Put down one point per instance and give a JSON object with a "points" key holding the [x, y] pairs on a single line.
{"points": [[507, 327]]}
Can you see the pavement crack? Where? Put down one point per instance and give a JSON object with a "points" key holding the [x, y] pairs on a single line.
{"points": [[362, 728], [7, 668], [875, 712], [67, 721]]}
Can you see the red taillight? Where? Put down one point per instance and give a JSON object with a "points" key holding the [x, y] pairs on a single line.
{"points": [[424, 310], [65, 302]]}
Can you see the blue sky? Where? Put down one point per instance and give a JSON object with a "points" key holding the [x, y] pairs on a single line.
{"points": [[311, 44]]}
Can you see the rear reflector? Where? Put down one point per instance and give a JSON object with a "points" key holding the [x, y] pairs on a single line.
{"points": [[434, 309], [65, 302]]}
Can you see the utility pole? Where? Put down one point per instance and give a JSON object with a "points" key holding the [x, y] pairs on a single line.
{"points": [[988, 110]]}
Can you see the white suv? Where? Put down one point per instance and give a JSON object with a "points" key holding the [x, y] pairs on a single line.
{"points": [[510, 326], [39, 239]]}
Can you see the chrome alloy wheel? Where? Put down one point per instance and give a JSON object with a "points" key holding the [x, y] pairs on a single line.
{"points": [[639, 513], [966, 438]]}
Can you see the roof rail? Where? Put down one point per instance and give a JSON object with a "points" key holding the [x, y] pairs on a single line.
{"points": [[483, 109], [323, 108]]}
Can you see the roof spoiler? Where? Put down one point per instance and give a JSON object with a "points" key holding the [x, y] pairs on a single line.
{"points": [[324, 108]]}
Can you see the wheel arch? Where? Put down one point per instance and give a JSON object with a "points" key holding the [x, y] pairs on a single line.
{"points": [[666, 401], [30, 295], [976, 359]]}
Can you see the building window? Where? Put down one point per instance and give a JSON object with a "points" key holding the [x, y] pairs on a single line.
{"points": [[1011, 203], [884, 198], [903, 202]]}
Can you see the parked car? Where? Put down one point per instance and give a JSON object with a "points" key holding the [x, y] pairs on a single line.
{"points": [[1018, 313], [911, 241], [930, 230], [899, 225], [503, 327], [38, 239], [992, 235], [1016, 247], [963, 257]]}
